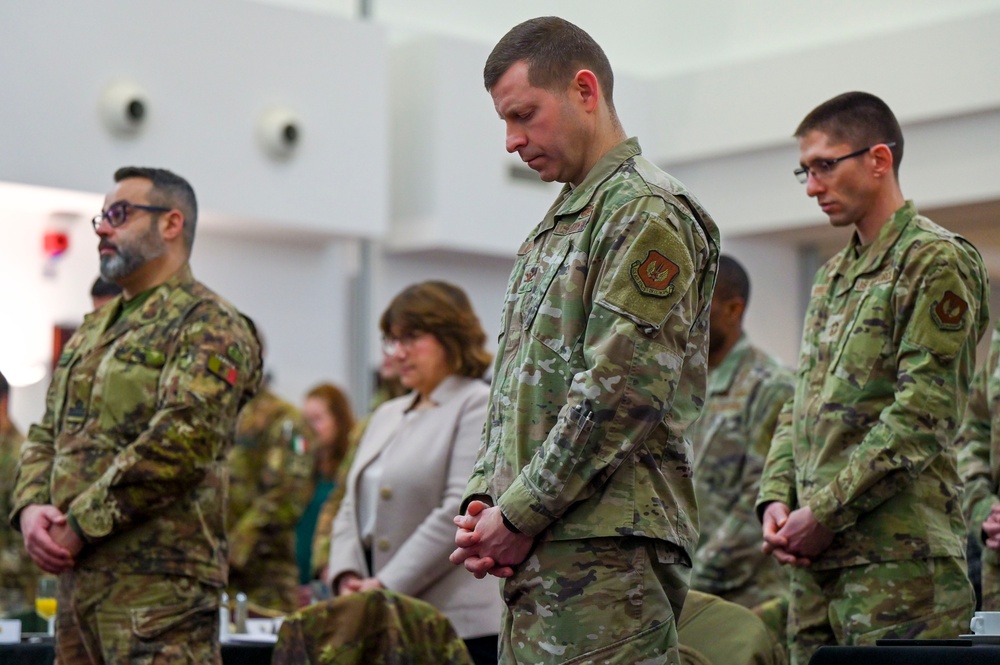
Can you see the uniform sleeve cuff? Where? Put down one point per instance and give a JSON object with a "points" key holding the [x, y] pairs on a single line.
{"points": [[73, 524], [828, 511], [524, 511]]}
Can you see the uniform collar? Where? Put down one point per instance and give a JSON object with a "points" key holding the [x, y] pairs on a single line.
{"points": [[153, 309], [572, 200], [720, 379], [851, 265]]}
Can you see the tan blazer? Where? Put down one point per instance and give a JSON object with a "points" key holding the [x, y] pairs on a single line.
{"points": [[423, 480]]}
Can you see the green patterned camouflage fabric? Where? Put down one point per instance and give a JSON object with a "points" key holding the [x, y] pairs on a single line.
{"points": [[174, 620], [372, 627], [978, 446], [725, 633], [855, 606], [270, 482], [18, 573], [139, 419], [730, 442], [595, 601], [602, 361], [888, 352]]}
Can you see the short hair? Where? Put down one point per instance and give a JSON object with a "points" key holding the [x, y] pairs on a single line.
{"points": [[859, 119], [443, 310], [4, 386], [338, 406], [169, 191], [732, 280], [554, 50], [102, 288]]}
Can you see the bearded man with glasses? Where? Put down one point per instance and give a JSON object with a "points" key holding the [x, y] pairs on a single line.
{"points": [[121, 487], [860, 493]]}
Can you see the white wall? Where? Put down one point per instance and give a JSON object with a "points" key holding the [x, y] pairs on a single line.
{"points": [[209, 69]]}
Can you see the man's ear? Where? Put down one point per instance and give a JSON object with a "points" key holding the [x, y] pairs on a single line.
{"points": [[882, 159], [171, 224], [586, 88]]}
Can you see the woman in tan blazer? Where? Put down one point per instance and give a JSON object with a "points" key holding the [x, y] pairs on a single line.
{"points": [[394, 529]]}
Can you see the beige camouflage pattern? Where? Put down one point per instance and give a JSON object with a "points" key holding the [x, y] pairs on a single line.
{"points": [[270, 482], [881, 388], [602, 362], [978, 446], [136, 620], [139, 418], [595, 383], [855, 606], [372, 627], [730, 442], [888, 351], [599, 601], [18, 573]]}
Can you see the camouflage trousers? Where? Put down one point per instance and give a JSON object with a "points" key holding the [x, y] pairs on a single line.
{"points": [[990, 580], [608, 601], [104, 618], [919, 598]]}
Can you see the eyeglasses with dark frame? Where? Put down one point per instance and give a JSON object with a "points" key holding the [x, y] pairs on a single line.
{"points": [[118, 213], [823, 167]]}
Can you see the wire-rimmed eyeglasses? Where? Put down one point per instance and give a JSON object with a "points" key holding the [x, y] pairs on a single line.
{"points": [[823, 167]]}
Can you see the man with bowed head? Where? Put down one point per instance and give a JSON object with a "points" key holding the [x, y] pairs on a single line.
{"points": [[860, 492], [121, 487], [581, 498]]}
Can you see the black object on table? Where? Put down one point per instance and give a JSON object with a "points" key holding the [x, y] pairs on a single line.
{"points": [[913, 654], [42, 653]]}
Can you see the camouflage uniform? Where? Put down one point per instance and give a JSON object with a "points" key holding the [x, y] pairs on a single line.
{"points": [[600, 370], [373, 627], [18, 573], [979, 464], [714, 630], [270, 482], [132, 448], [887, 354], [730, 442]]}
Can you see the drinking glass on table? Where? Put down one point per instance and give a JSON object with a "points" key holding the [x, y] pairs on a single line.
{"points": [[45, 601]]}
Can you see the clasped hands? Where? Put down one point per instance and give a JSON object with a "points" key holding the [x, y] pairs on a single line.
{"points": [[794, 537], [49, 539], [485, 545], [991, 527]]}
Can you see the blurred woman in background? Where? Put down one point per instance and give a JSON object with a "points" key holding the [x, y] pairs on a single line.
{"points": [[329, 415], [394, 529]]}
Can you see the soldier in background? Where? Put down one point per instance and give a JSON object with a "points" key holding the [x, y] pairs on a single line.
{"points": [[746, 390], [978, 446], [270, 482], [860, 492], [585, 468], [18, 573], [121, 486]]}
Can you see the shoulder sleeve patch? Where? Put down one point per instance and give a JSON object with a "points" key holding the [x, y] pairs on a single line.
{"points": [[654, 275], [948, 313], [223, 369], [651, 277]]}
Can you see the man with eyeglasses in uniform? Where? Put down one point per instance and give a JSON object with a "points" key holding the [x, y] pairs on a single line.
{"points": [[860, 493], [121, 488]]}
